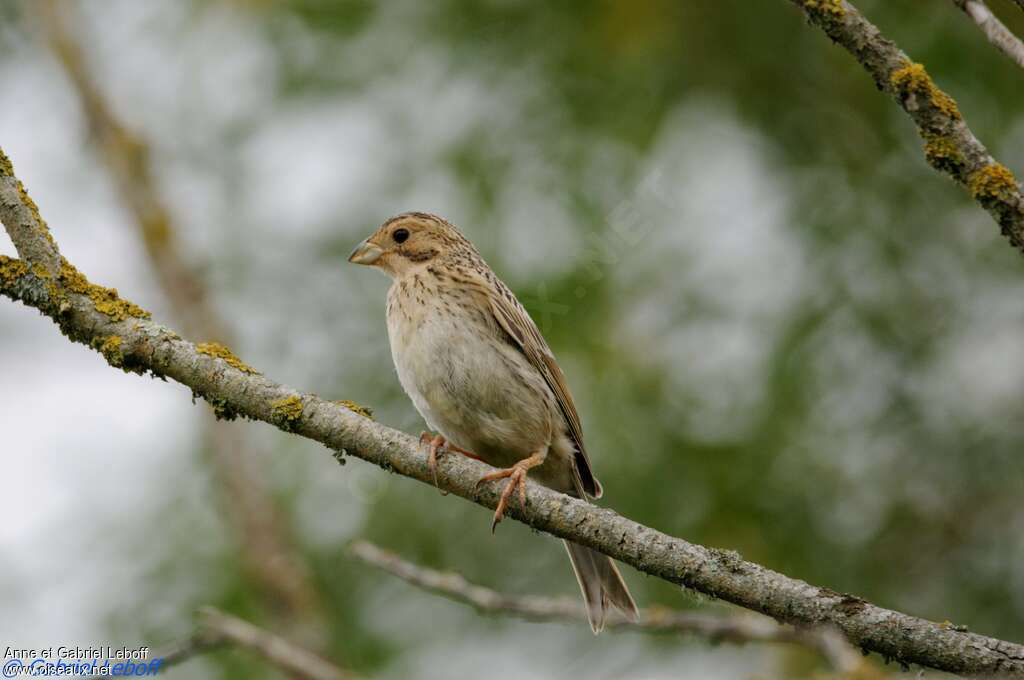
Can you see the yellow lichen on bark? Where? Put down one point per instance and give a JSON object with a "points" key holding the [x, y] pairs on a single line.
{"points": [[7, 170], [992, 182], [828, 10], [110, 348], [215, 349], [364, 411], [286, 412], [105, 300], [942, 153], [913, 79], [6, 167], [11, 270]]}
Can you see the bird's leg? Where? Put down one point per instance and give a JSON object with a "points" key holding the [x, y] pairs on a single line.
{"points": [[517, 480], [439, 445]]}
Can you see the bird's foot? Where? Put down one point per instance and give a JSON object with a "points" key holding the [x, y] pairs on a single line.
{"points": [[437, 445], [516, 480]]}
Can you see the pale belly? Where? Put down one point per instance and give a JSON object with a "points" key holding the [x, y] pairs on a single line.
{"points": [[480, 392]]}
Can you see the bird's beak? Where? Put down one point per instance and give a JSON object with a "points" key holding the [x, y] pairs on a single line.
{"points": [[366, 253]]}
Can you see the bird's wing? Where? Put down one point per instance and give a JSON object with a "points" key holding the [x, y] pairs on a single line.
{"points": [[514, 319]]}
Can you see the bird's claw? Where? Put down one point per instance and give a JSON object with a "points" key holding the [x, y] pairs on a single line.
{"points": [[436, 444], [516, 480]]}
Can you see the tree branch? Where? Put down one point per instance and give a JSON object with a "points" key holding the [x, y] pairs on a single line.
{"points": [[24, 224], [949, 145], [283, 580], [827, 642], [217, 629], [994, 29], [128, 339]]}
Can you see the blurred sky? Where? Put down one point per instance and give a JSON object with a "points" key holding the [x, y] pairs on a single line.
{"points": [[784, 339]]}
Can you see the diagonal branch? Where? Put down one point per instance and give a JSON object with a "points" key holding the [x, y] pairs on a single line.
{"points": [[217, 629], [268, 555], [995, 30], [128, 339], [949, 145], [827, 642], [25, 225]]}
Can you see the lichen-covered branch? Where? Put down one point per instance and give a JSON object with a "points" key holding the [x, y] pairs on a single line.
{"points": [[949, 145], [282, 580], [131, 341], [216, 630], [25, 225], [827, 642], [995, 30]]}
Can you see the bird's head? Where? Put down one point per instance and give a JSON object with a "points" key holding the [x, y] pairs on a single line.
{"points": [[407, 242]]}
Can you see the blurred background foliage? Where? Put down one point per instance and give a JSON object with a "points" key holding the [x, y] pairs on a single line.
{"points": [[786, 334]]}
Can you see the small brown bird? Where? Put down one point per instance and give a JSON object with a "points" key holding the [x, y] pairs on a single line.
{"points": [[479, 372]]}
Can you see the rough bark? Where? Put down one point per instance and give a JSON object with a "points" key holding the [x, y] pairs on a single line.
{"points": [[128, 339], [949, 145]]}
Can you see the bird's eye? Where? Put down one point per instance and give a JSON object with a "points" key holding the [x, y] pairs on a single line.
{"points": [[400, 235]]}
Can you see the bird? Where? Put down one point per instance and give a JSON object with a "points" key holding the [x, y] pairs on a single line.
{"points": [[479, 372]]}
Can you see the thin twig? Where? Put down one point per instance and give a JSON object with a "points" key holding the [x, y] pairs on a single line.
{"points": [[267, 549], [994, 29], [98, 317], [285, 655], [828, 642], [180, 651], [949, 145], [216, 629]]}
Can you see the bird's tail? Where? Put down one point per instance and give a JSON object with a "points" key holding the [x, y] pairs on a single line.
{"points": [[601, 584]]}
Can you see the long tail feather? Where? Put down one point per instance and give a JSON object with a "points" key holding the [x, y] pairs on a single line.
{"points": [[601, 584]]}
